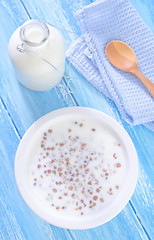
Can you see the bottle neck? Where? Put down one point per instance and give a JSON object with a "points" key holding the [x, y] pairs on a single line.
{"points": [[34, 34]]}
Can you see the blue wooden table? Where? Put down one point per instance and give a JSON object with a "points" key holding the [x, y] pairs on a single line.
{"points": [[20, 107]]}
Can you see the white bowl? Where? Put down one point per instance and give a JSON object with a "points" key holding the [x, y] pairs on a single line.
{"points": [[77, 222]]}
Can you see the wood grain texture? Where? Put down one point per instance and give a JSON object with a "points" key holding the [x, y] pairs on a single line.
{"points": [[19, 108]]}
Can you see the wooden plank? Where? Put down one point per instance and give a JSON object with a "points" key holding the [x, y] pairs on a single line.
{"points": [[145, 9]]}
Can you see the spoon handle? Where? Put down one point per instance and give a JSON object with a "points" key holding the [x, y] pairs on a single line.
{"points": [[146, 82]]}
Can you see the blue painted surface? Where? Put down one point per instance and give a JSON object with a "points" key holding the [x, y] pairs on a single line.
{"points": [[19, 108]]}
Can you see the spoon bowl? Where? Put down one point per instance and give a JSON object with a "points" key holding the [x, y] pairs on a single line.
{"points": [[123, 57]]}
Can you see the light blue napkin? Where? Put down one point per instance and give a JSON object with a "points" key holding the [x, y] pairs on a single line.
{"points": [[100, 23]]}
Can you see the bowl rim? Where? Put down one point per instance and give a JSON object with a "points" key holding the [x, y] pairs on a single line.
{"points": [[110, 211]]}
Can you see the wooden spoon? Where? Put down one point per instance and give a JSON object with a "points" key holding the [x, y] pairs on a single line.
{"points": [[122, 56]]}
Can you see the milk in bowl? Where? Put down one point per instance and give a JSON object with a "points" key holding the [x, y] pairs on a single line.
{"points": [[76, 167]]}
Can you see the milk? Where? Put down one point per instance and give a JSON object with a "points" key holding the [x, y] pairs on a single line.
{"points": [[38, 40], [76, 166]]}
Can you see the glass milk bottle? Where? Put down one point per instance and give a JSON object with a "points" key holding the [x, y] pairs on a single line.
{"points": [[31, 48]]}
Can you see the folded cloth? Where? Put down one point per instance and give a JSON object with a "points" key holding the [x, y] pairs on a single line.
{"points": [[100, 23]]}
